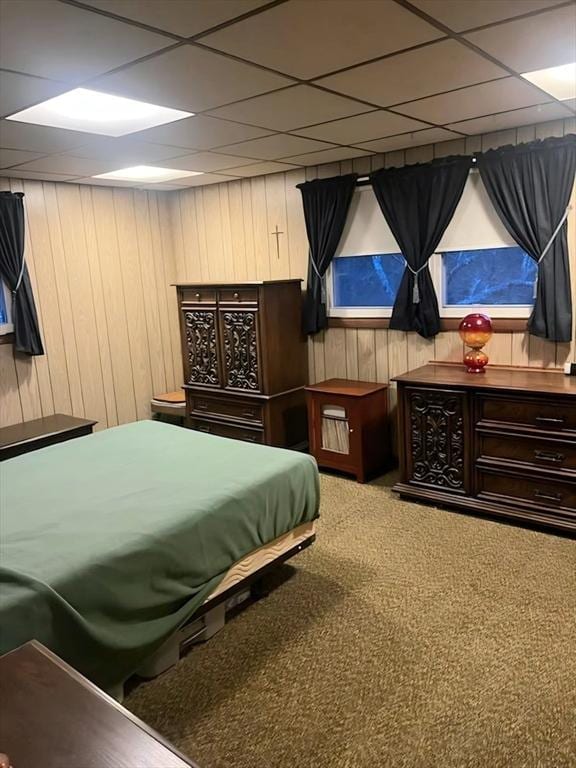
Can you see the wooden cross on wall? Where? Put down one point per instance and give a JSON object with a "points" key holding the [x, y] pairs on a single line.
{"points": [[277, 232]]}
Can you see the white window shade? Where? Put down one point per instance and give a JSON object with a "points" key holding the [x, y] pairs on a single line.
{"points": [[366, 231], [475, 223]]}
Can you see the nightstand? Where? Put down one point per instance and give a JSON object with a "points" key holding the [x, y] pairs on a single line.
{"points": [[347, 423]]}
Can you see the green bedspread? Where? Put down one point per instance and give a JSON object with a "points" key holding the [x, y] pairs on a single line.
{"points": [[110, 542]]}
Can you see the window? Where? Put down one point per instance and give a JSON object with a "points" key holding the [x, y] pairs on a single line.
{"points": [[477, 267], [5, 310], [499, 278]]}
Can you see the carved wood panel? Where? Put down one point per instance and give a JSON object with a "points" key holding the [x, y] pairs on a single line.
{"points": [[437, 435], [201, 347], [240, 339]]}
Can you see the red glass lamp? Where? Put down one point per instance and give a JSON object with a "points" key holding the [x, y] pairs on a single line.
{"points": [[475, 331]]}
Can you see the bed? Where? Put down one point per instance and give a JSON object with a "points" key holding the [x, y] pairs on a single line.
{"points": [[110, 543]]}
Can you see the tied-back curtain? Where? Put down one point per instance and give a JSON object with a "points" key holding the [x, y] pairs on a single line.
{"points": [[530, 187], [326, 203], [14, 272], [418, 202]]}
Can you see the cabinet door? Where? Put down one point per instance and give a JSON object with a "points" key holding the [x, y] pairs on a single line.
{"points": [[240, 348], [437, 438], [200, 338], [335, 437]]}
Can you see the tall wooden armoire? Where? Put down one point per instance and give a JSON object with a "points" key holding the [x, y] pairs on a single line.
{"points": [[245, 360]]}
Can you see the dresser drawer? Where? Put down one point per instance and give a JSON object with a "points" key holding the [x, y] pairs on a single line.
{"points": [[222, 429], [530, 452], [543, 494], [238, 295], [198, 296], [243, 411], [545, 414]]}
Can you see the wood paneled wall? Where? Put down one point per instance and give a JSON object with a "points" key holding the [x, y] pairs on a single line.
{"points": [[224, 232], [101, 263], [102, 260]]}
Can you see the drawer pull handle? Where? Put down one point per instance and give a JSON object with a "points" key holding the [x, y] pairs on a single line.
{"points": [[549, 421], [548, 496], [201, 405], [203, 429], [198, 296], [553, 458], [236, 296], [249, 414]]}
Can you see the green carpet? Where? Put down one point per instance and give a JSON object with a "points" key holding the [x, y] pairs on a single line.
{"points": [[407, 637]]}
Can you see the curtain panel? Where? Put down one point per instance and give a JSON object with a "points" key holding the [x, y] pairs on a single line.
{"points": [[326, 203], [14, 272], [530, 186], [418, 202]]}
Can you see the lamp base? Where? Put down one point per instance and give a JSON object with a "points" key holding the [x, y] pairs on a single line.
{"points": [[475, 361]]}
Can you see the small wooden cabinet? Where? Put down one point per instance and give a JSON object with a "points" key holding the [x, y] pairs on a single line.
{"points": [[245, 360], [347, 426], [502, 442]]}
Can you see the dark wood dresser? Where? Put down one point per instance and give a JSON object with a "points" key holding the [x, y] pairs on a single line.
{"points": [[245, 360], [501, 443], [39, 433], [52, 717]]}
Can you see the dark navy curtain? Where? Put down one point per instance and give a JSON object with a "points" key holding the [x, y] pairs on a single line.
{"points": [[530, 187], [326, 203], [418, 202], [14, 272]]}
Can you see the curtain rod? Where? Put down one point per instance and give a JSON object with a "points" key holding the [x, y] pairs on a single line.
{"points": [[364, 181]]}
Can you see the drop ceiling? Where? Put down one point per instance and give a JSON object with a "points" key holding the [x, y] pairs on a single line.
{"points": [[274, 85]]}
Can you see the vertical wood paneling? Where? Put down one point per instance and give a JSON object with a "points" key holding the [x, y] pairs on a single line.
{"points": [[100, 261]]}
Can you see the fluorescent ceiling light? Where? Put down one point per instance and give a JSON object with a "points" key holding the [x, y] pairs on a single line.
{"points": [[559, 82], [149, 173], [96, 112]]}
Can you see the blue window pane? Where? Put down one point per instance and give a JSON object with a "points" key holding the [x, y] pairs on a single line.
{"points": [[488, 276], [367, 281], [3, 311]]}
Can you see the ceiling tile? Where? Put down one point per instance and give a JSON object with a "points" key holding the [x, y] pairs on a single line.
{"points": [[201, 132], [192, 79], [275, 147], [20, 91], [62, 42], [127, 151], [201, 181], [40, 138], [260, 169], [405, 140], [539, 114], [308, 39], [435, 68], [180, 17], [206, 161], [460, 15], [353, 130], [34, 175], [485, 99], [10, 157], [327, 156], [291, 108], [533, 43], [69, 165]]}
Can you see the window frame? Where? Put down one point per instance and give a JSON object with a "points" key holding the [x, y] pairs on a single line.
{"points": [[447, 311], [6, 328]]}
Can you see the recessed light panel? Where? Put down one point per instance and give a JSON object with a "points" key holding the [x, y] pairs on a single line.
{"points": [[95, 112], [559, 82], [148, 173]]}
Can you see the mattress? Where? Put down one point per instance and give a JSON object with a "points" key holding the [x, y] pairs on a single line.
{"points": [[112, 541]]}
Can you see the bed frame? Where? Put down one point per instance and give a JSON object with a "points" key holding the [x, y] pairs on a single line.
{"points": [[236, 587]]}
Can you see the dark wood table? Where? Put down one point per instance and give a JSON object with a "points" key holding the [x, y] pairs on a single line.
{"points": [[32, 435], [52, 717]]}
